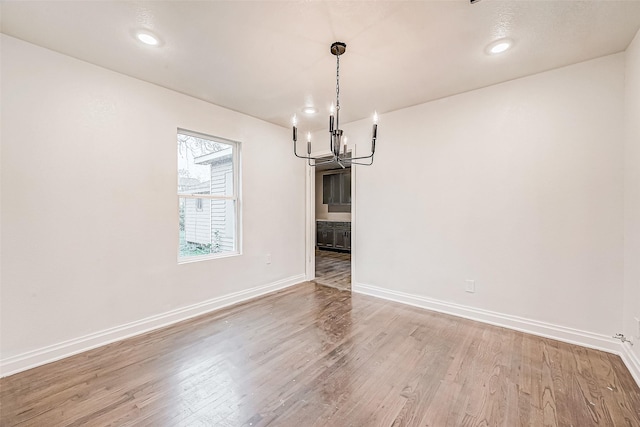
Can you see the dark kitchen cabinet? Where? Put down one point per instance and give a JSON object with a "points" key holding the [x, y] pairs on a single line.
{"points": [[336, 188], [345, 188], [338, 238], [334, 235], [324, 235], [347, 239]]}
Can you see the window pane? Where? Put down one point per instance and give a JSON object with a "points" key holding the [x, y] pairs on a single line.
{"points": [[209, 230], [204, 166]]}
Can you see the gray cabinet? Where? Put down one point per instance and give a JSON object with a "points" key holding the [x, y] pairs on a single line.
{"points": [[336, 188], [324, 234], [338, 238], [334, 235], [345, 188]]}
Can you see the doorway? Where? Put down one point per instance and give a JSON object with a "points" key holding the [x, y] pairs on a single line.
{"points": [[332, 224]]}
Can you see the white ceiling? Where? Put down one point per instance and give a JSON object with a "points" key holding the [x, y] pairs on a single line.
{"points": [[269, 59]]}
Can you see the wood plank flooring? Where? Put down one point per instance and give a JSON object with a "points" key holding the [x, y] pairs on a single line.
{"points": [[317, 356], [333, 269]]}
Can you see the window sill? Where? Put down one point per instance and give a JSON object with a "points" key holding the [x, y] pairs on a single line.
{"points": [[207, 257]]}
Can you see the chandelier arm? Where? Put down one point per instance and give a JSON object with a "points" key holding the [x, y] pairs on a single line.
{"points": [[310, 158], [324, 162], [303, 157], [370, 156], [317, 160], [320, 163], [362, 164]]}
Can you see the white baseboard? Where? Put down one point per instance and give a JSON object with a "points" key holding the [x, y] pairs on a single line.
{"points": [[31, 359], [632, 361], [547, 330]]}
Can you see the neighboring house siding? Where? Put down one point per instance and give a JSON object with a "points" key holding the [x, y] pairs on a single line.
{"points": [[215, 215], [197, 224], [222, 210]]}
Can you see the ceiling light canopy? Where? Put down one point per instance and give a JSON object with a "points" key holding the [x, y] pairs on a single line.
{"points": [[148, 38], [499, 46], [336, 139]]}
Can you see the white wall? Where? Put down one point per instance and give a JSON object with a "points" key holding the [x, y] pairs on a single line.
{"points": [[518, 186], [89, 207], [632, 196]]}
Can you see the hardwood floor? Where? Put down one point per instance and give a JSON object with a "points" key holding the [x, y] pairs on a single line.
{"points": [[333, 269], [316, 356]]}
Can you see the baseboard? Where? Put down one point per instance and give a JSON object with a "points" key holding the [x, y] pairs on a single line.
{"points": [[31, 359], [548, 330], [632, 361]]}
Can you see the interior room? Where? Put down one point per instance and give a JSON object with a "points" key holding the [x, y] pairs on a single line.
{"points": [[322, 213], [333, 225]]}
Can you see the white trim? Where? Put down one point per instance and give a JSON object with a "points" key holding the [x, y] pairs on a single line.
{"points": [[530, 326], [41, 356], [206, 196], [236, 168], [198, 258], [208, 137], [632, 361], [354, 223], [310, 220]]}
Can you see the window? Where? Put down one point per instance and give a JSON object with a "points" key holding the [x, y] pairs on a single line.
{"points": [[208, 200]]}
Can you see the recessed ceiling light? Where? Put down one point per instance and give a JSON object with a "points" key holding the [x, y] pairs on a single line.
{"points": [[148, 38], [309, 110], [499, 46]]}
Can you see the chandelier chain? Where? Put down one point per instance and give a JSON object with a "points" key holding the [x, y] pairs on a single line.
{"points": [[337, 82]]}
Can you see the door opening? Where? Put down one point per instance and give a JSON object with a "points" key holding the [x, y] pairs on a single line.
{"points": [[332, 222]]}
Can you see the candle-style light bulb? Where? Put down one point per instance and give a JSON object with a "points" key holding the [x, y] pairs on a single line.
{"points": [[375, 125], [332, 109], [295, 129], [331, 119], [308, 136]]}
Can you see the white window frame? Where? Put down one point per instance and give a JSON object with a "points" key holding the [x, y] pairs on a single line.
{"points": [[235, 197]]}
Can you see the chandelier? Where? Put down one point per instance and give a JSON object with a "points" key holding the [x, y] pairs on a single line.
{"points": [[336, 139]]}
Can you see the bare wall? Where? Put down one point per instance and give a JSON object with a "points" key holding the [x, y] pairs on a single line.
{"points": [[89, 208], [518, 186], [632, 197]]}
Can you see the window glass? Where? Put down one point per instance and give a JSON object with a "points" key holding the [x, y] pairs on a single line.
{"points": [[207, 196]]}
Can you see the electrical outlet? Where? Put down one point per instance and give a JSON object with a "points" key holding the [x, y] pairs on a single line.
{"points": [[470, 286], [637, 327], [268, 258]]}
